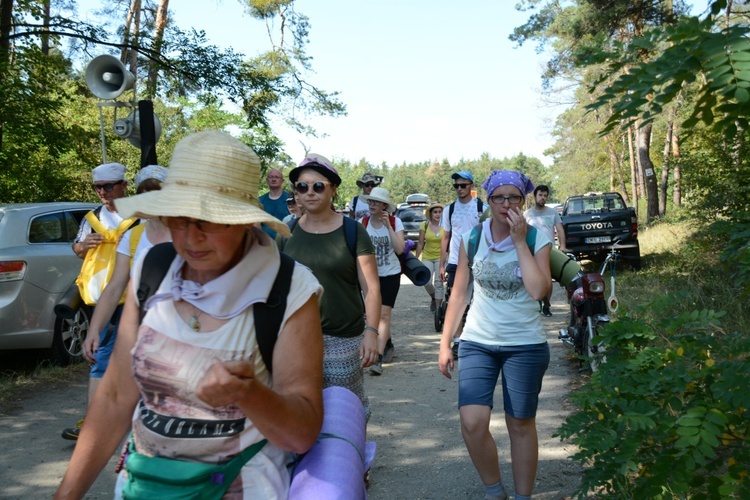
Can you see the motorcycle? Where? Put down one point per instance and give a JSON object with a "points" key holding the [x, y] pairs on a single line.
{"points": [[588, 311]]}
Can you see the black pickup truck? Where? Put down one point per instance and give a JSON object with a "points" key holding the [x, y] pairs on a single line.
{"points": [[592, 221]]}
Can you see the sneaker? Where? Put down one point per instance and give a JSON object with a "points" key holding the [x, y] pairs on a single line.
{"points": [[71, 433], [377, 368], [454, 350], [546, 311], [432, 306], [389, 350]]}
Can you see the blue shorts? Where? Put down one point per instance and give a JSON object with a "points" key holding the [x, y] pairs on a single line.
{"points": [[106, 344], [522, 367]]}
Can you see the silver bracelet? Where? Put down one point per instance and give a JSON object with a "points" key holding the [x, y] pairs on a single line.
{"points": [[372, 329]]}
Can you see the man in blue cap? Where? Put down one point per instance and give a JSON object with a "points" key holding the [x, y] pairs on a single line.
{"points": [[458, 218]]}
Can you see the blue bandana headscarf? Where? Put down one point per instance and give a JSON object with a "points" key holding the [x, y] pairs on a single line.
{"points": [[505, 178]]}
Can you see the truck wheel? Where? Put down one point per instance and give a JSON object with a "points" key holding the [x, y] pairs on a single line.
{"points": [[67, 343], [633, 257]]}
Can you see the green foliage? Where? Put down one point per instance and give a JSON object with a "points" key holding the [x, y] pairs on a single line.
{"points": [[667, 414], [691, 52]]}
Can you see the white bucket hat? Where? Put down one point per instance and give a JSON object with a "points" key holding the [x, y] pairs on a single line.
{"points": [[379, 194], [213, 177]]}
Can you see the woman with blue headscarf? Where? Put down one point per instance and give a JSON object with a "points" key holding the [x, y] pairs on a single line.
{"points": [[503, 333]]}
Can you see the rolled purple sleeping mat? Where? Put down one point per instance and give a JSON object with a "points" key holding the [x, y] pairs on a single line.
{"points": [[334, 468]]}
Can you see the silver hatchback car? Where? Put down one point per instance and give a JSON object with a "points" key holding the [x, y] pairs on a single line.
{"points": [[37, 268]]}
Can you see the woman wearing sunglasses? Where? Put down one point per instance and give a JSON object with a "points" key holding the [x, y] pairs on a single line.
{"points": [[503, 334], [318, 240]]}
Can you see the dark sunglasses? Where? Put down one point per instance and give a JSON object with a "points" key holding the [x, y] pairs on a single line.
{"points": [[108, 187], [304, 187], [462, 186], [370, 184]]}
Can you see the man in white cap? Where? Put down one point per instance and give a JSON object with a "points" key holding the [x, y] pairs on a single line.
{"points": [[109, 184]]}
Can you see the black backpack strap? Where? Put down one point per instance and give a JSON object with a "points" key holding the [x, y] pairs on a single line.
{"points": [[269, 315], [350, 233], [155, 266], [353, 208], [480, 207]]}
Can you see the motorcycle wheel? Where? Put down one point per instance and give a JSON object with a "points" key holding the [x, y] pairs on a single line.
{"points": [[593, 354]]}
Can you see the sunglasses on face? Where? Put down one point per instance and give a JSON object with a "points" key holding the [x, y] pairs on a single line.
{"points": [[461, 186], [304, 187], [182, 223], [108, 187], [370, 184]]}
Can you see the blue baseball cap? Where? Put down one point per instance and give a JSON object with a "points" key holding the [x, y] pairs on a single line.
{"points": [[463, 174]]}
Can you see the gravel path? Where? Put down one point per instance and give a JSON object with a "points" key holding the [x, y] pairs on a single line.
{"points": [[421, 454]]}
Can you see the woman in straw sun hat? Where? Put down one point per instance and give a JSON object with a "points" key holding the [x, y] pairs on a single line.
{"points": [[192, 367], [340, 254], [387, 234]]}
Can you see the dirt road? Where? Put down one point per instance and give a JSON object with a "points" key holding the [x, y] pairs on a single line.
{"points": [[420, 455]]}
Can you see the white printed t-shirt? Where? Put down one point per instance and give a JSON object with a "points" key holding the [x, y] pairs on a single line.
{"points": [[502, 311], [170, 360], [388, 263]]}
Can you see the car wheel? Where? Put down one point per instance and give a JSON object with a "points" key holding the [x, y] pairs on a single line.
{"points": [[67, 344]]}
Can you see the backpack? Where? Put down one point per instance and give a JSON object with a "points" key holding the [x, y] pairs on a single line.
{"points": [[353, 208], [267, 315], [350, 234], [558, 260], [392, 220], [99, 263]]}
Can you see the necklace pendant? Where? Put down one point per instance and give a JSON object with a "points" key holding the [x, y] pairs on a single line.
{"points": [[194, 324]]}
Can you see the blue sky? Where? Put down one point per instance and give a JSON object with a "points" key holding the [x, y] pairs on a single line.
{"points": [[422, 80]]}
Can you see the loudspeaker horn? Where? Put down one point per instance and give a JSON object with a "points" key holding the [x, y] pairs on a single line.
{"points": [[130, 128], [107, 77]]}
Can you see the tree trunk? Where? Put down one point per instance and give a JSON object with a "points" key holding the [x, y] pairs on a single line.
{"points": [[6, 20], [45, 21], [153, 67], [665, 169], [633, 170], [647, 171], [135, 38], [677, 172]]}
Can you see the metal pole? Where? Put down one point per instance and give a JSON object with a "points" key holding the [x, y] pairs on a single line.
{"points": [[101, 126]]}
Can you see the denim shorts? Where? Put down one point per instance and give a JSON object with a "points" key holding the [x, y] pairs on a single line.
{"points": [[522, 369], [106, 344]]}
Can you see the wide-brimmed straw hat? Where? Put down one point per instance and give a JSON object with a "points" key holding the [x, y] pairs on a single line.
{"points": [[429, 209], [213, 177], [379, 194]]}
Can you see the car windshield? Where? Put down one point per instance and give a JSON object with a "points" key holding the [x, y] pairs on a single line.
{"points": [[411, 214]]}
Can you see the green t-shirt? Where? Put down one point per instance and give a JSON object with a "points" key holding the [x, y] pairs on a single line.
{"points": [[328, 257]]}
